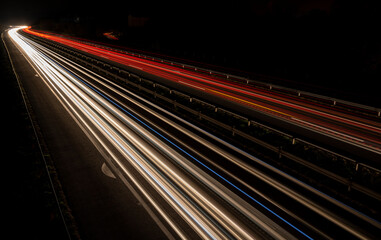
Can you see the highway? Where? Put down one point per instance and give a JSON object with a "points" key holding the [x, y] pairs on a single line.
{"points": [[344, 130], [195, 184]]}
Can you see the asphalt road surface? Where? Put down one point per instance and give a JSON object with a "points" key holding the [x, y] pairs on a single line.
{"points": [[165, 178]]}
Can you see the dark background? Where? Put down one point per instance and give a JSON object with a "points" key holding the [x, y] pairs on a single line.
{"points": [[330, 47]]}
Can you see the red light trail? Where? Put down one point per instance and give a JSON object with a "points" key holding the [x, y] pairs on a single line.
{"points": [[358, 131]]}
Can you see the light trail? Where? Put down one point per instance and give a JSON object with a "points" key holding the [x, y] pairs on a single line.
{"points": [[299, 113], [53, 75], [207, 217], [220, 151], [152, 154]]}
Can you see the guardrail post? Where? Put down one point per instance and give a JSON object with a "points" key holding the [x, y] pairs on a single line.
{"points": [[379, 113], [349, 184], [216, 109], [334, 102], [293, 141]]}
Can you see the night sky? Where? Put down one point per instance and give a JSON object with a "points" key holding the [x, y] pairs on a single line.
{"points": [[320, 43], [22, 11]]}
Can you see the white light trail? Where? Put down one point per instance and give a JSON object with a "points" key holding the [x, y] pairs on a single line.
{"points": [[153, 157], [92, 110]]}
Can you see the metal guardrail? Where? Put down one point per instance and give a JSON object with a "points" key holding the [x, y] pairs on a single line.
{"points": [[295, 92], [274, 87], [136, 81]]}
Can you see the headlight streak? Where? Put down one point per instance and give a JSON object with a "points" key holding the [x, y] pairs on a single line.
{"points": [[279, 187], [287, 191], [192, 170], [146, 120], [78, 118], [74, 94], [195, 173], [136, 150], [48, 75], [144, 149], [207, 167]]}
